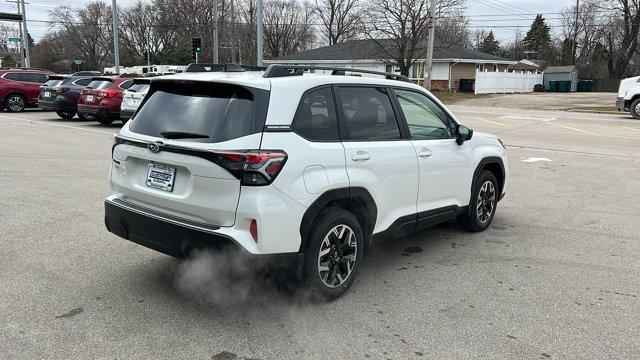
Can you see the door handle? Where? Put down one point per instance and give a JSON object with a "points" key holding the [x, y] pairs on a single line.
{"points": [[361, 156], [425, 153]]}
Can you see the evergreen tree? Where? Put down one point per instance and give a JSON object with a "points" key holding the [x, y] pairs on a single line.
{"points": [[489, 44], [538, 38]]}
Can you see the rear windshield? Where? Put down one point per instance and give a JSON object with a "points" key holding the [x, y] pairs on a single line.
{"points": [[138, 88], [56, 82], [99, 84], [202, 112]]}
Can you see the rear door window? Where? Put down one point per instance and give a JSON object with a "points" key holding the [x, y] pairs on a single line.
{"points": [[34, 77], [201, 111], [100, 84], [316, 116], [367, 114]]}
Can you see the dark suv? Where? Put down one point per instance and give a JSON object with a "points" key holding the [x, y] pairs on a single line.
{"points": [[20, 88], [49, 91], [66, 101]]}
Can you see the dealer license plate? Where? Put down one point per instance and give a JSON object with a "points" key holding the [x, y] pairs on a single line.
{"points": [[89, 98], [161, 177]]}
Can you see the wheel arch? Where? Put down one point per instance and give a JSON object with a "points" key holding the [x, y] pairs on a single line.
{"points": [[356, 200], [496, 166]]}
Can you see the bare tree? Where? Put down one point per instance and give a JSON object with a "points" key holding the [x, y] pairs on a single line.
{"points": [[287, 27], [87, 32], [400, 28], [452, 32], [340, 19]]}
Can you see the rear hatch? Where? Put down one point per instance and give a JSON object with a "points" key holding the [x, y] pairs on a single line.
{"points": [[51, 89], [95, 91], [133, 95], [178, 156]]}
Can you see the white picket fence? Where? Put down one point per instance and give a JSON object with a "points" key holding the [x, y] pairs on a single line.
{"points": [[495, 82]]}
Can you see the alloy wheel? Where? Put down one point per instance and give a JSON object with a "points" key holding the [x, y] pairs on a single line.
{"points": [[337, 256], [16, 103], [486, 201]]}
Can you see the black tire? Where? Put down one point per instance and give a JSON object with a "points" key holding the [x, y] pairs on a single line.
{"points": [[15, 103], [312, 276], [635, 108], [478, 217], [103, 121], [66, 114]]}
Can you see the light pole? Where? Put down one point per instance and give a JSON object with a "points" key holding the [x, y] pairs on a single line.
{"points": [[116, 48], [432, 25], [25, 37], [259, 32]]}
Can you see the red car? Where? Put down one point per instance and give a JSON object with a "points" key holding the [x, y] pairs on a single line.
{"points": [[20, 88], [101, 99]]}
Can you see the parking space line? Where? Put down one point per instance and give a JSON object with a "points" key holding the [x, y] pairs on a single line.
{"points": [[630, 128], [54, 124], [491, 122], [572, 128]]}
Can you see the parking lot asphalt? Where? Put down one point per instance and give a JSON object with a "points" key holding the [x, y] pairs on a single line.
{"points": [[557, 275]]}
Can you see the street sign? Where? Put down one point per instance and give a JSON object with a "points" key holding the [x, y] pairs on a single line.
{"points": [[10, 16], [78, 61], [15, 39]]}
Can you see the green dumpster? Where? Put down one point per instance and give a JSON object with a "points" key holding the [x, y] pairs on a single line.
{"points": [[585, 86], [466, 85], [564, 86], [553, 85]]}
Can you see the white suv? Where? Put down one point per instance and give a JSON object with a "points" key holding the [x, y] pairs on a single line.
{"points": [[297, 165]]}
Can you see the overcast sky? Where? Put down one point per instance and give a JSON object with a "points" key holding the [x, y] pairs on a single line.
{"points": [[496, 15]]}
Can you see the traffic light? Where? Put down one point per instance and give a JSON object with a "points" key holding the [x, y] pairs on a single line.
{"points": [[196, 46]]}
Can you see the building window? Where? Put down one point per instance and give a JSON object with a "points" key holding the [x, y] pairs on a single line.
{"points": [[388, 68], [480, 67], [495, 67]]}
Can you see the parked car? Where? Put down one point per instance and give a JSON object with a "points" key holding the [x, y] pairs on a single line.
{"points": [[101, 99], [629, 96], [50, 90], [132, 98], [304, 166], [66, 102], [20, 88]]}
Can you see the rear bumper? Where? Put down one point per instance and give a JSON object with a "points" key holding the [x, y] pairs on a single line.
{"points": [[45, 104], [87, 110], [621, 104], [61, 104], [126, 114], [105, 113], [169, 235]]}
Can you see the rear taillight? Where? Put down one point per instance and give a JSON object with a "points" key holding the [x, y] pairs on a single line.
{"points": [[253, 167], [108, 93]]}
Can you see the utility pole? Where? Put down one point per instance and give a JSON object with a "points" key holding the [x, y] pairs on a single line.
{"points": [[116, 47], [432, 27], [575, 35], [233, 37], [259, 34], [25, 36], [21, 47], [216, 50], [148, 30]]}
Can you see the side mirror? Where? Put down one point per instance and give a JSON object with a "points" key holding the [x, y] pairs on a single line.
{"points": [[463, 134]]}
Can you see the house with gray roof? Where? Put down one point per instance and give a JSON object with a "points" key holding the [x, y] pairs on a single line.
{"points": [[449, 65]]}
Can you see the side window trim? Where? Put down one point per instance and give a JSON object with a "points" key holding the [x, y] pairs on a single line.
{"points": [[342, 120], [452, 124], [335, 105]]}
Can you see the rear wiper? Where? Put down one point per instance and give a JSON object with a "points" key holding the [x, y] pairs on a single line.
{"points": [[182, 135]]}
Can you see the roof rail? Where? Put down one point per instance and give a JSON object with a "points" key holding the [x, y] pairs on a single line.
{"points": [[297, 70], [229, 67], [23, 68]]}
